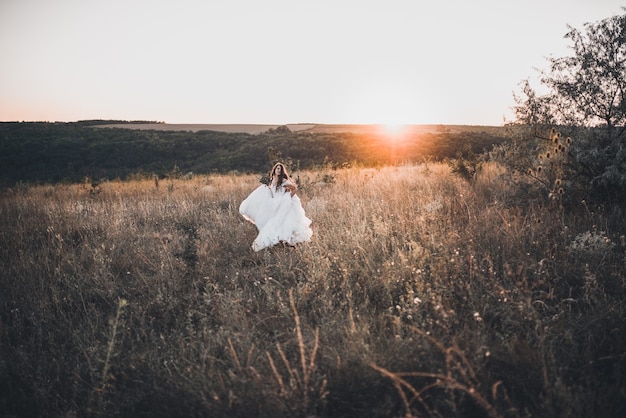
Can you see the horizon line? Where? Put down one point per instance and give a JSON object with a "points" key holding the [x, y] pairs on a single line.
{"points": [[145, 121]]}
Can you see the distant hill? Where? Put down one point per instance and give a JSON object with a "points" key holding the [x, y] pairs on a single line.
{"points": [[197, 127], [55, 152], [294, 127]]}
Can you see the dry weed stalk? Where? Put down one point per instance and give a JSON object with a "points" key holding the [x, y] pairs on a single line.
{"points": [[456, 362], [100, 391], [302, 378], [105, 369]]}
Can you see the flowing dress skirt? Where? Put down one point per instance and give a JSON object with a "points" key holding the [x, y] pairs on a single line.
{"points": [[278, 216]]}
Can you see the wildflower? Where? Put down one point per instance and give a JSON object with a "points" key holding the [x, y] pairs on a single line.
{"points": [[591, 243]]}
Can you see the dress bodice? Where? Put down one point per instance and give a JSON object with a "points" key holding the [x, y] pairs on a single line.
{"points": [[281, 188]]}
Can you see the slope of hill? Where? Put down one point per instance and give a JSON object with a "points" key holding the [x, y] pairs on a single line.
{"points": [[54, 152]]}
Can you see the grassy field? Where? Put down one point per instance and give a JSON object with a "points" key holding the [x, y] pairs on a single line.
{"points": [[421, 294]]}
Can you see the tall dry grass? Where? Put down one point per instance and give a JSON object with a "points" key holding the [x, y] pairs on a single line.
{"points": [[420, 295]]}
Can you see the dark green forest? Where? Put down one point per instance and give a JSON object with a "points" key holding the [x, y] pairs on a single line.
{"points": [[44, 152]]}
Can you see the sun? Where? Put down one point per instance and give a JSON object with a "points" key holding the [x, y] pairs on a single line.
{"points": [[393, 132], [390, 106], [393, 129]]}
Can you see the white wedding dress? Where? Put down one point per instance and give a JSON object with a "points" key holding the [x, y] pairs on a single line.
{"points": [[278, 216]]}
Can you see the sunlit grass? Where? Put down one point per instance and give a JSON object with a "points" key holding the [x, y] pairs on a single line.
{"points": [[420, 294]]}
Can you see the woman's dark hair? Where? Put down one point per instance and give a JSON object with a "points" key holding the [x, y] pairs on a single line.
{"points": [[283, 174]]}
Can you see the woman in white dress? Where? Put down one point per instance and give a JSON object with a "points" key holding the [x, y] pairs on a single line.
{"points": [[277, 212]]}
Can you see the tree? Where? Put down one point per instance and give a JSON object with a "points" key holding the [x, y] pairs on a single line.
{"points": [[279, 130], [586, 100]]}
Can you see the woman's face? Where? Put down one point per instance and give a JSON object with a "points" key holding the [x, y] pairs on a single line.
{"points": [[278, 170]]}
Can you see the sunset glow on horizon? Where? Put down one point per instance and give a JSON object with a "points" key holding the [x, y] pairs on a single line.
{"points": [[398, 62], [394, 131]]}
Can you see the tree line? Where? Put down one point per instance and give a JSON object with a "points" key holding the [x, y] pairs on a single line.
{"points": [[71, 152]]}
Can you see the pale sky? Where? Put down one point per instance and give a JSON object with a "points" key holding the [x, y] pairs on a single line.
{"points": [[279, 61]]}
